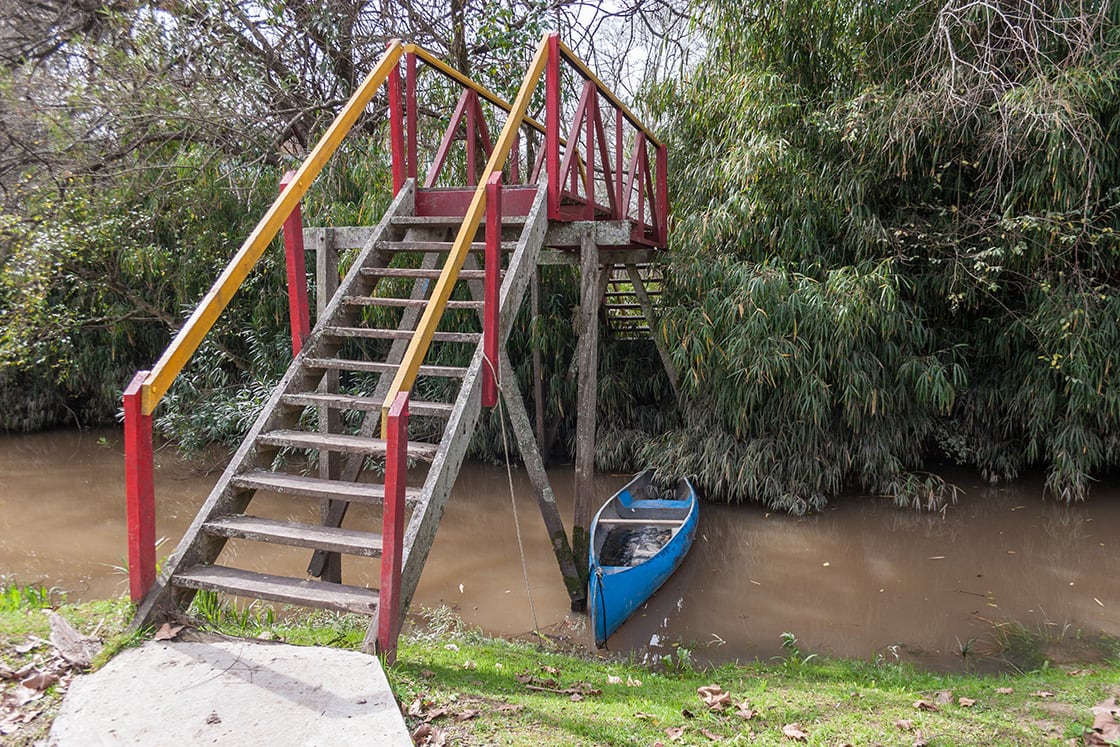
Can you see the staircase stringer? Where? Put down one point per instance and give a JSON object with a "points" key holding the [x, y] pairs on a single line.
{"points": [[422, 526], [198, 548]]}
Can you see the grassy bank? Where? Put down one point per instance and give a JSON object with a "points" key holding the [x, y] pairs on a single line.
{"points": [[460, 687]]}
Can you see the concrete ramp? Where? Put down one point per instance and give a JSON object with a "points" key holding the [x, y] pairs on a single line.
{"points": [[232, 692]]}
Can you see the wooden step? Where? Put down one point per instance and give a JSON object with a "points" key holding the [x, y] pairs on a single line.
{"points": [[400, 334], [436, 246], [409, 272], [401, 303], [346, 364], [314, 487], [449, 220], [342, 442], [296, 534], [279, 588], [416, 408]]}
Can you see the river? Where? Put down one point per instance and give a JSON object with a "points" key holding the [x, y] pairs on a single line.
{"points": [[862, 579]]}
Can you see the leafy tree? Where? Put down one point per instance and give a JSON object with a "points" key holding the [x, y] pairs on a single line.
{"points": [[895, 237]]}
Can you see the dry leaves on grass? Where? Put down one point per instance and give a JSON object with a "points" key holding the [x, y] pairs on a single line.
{"points": [[1042, 694], [795, 732], [966, 702], [1004, 690], [744, 711], [674, 733], [925, 705], [427, 735], [943, 697], [714, 697], [905, 724], [1106, 724]]}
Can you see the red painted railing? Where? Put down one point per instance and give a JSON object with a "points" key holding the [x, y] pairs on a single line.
{"points": [[295, 262], [392, 528]]}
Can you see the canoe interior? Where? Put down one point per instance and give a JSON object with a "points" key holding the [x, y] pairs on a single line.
{"points": [[638, 521]]}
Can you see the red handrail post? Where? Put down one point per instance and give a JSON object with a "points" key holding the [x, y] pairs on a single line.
{"points": [[410, 110], [472, 137], [396, 129], [490, 290], [552, 125], [139, 480], [621, 209], [392, 530], [663, 195], [298, 314]]}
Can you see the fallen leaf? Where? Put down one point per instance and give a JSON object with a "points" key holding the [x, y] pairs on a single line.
{"points": [[711, 735], [1042, 694], [427, 735], [509, 708], [33, 642], [674, 733], [920, 741], [714, 697], [550, 670], [1004, 690], [467, 715], [925, 705], [524, 678], [427, 674], [645, 716], [40, 680], [468, 664], [631, 682], [905, 724], [687, 713], [24, 695], [575, 697], [966, 702], [451, 647], [795, 732], [167, 632], [944, 697], [1106, 727], [744, 711], [614, 679]]}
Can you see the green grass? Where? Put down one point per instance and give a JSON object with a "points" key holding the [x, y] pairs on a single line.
{"points": [[483, 691]]}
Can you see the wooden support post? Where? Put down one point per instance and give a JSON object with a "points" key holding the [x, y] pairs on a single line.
{"points": [[546, 499], [490, 292], [586, 397], [297, 272], [139, 490], [330, 419], [538, 377], [651, 320], [392, 529]]}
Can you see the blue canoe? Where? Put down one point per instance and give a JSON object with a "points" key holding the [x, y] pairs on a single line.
{"points": [[637, 541]]}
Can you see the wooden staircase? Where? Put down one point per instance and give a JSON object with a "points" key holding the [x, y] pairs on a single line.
{"points": [[624, 301], [316, 438]]}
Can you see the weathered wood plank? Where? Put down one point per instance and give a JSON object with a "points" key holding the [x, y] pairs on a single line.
{"points": [[616, 256], [410, 272], [400, 334], [296, 534], [546, 499], [365, 404], [591, 290], [279, 589], [346, 364], [315, 487], [437, 246], [342, 442], [606, 232]]}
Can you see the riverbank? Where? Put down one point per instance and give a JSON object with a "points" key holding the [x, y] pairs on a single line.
{"points": [[457, 686]]}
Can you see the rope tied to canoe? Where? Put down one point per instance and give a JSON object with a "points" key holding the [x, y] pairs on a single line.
{"points": [[512, 498]]}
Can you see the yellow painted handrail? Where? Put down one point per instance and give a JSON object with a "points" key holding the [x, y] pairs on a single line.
{"points": [[188, 339], [426, 328]]}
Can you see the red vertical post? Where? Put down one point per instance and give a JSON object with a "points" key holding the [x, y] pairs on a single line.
{"points": [[139, 481], [410, 110], [663, 195], [396, 129], [592, 114], [298, 314], [392, 529], [490, 290], [472, 138], [620, 208], [552, 125]]}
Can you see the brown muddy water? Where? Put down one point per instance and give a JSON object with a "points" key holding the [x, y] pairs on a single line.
{"points": [[988, 581]]}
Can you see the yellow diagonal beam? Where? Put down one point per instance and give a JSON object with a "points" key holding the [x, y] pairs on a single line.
{"points": [[426, 328], [218, 297]]}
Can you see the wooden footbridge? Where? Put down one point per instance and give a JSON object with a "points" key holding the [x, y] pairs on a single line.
{"points": [[587, 186]]}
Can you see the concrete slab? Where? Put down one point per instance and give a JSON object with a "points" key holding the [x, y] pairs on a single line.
{"points": [[231, 692]]}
